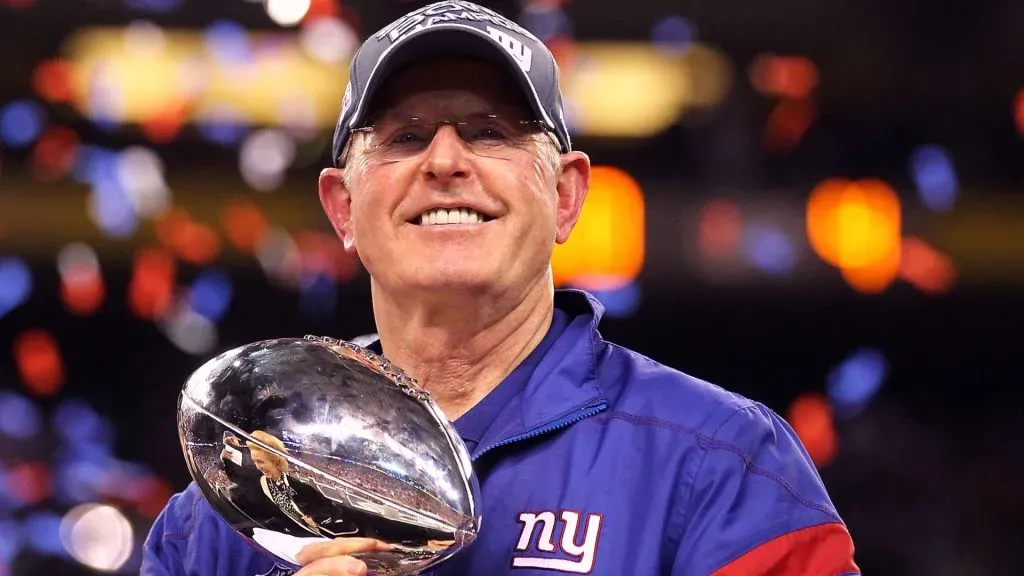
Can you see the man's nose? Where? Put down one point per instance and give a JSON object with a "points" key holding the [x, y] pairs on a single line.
{"points": [[446, 157]]}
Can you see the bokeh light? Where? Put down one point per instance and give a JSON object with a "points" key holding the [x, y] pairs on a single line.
{"points": [[152, 284], [98, 536], [925, 267], [811, 418], [622, 301], [82, 286], [329, 40], [264, 157], [29, 482], [210, 294], [855, 381], [41, 531], [856, 226], [55, 153], [191, 241], [606, 248], [770, 249], [15, 283], [52, 79], [673, 34], [20, 418], [244, 224], [931, 168], [21, 122], [787, 76], [719, 230], [38, 358], [287, 12]]}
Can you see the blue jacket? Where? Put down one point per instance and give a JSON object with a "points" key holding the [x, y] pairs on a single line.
{"points": [[604, 462]]}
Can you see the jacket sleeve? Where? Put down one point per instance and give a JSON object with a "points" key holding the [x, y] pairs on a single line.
{"points": [[758, 506], [163, 553]]}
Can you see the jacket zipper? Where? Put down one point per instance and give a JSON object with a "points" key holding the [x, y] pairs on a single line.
{"points": [[564, 422]]}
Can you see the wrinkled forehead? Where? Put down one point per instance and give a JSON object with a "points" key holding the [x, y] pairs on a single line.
{"points": [[450, 88]]}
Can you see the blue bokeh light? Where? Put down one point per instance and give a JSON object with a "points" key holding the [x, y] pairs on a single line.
{"points": [[853, 383], [770, 250], [673, 33], [19, 417], [228, 41], [10, 540], [42, 533], [620, 302], [547, 22], [21, 123], [931, 168], [15, 284], [210, 295], [113, 210], [80, 426]]}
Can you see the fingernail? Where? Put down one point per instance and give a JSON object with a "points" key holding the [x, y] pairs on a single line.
{"points": [[357, 569]]}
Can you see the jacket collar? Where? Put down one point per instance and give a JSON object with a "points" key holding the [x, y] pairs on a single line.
{"points": [[565, 381]]}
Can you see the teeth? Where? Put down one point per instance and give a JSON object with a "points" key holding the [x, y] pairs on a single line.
{"points": [[450, 216]]}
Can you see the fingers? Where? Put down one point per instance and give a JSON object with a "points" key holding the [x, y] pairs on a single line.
{"points": [[334, 566], [336, 547]]}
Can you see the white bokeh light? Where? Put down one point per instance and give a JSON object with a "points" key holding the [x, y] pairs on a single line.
{"points": [[77, 258], [98, 536], [264, 157], [287, 12], [329, 40], [190, 331], [144, 38], [141, 173]]}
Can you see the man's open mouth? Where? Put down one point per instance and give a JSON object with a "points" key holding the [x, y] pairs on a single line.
{"points": [[444, 216]]}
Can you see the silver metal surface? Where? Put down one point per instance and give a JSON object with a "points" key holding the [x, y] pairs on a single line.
{"points": [[297, 439]]}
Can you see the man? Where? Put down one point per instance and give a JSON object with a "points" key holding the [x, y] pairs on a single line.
{"points": [[454, 178]]}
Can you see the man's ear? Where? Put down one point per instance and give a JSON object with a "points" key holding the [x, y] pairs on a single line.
{"points": [[573, 184], [337, 202]]}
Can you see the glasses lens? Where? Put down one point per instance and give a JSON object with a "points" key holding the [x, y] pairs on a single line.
{"points": [[491, 136]]}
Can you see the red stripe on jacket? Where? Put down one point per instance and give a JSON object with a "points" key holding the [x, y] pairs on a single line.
{"points": [[822, 550]]}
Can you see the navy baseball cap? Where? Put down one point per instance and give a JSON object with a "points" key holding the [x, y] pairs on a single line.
{"points": [[445, 29]]}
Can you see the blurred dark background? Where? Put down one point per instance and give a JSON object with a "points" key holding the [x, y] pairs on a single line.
{"points": [[826, 208]]}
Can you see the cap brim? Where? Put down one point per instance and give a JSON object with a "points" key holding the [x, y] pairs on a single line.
{"points": [[445, 41]]}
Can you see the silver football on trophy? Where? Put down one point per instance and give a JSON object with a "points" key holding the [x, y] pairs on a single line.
{"points": [[297, 440]]}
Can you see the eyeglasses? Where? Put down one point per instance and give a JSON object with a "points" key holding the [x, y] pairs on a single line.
{"points": [[491, 136]]}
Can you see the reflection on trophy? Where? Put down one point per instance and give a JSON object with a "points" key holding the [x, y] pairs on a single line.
{"points": [[298, 440]]}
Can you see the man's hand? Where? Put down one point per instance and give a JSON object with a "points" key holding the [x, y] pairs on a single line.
{"points": [[332, 558]]}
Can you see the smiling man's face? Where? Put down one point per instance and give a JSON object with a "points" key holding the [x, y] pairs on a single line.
{"points": [[503, 211]]}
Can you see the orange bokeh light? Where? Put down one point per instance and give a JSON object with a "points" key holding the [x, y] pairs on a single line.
{"points": [[811, 418], [52, 79], [164, 125], [925, 268], [856, 226], [606, 248], [152, 285], [786, 76], [37, 357], [244, 224], [191, 241]]}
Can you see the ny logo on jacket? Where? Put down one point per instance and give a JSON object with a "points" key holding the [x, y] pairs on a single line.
{"points": [[608, 463]]}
